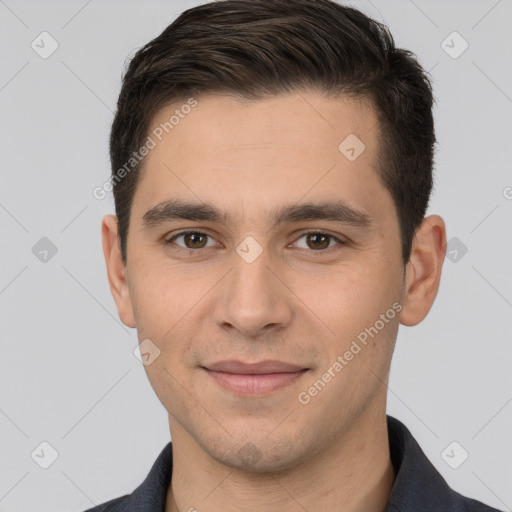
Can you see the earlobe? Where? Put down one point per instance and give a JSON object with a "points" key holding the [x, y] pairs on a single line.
{"points": [[423, 271], [116, 270]]}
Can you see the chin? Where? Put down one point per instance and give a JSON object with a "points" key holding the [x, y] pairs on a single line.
{"points": [[260, 455]]}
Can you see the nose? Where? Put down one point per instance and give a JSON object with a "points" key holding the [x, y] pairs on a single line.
{"points": [[253, 297]]}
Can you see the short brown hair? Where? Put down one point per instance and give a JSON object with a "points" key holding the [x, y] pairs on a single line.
{"points": [[257, 48]]}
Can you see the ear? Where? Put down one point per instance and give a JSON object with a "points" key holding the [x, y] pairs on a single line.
{"points": [[116, 270], [423, 270]]}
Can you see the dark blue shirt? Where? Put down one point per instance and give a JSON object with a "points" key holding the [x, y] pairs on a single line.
{"points": [[418, 486]]}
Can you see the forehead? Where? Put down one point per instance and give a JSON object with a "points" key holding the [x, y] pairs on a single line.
{"points": [[250, 155], [304, 121]]}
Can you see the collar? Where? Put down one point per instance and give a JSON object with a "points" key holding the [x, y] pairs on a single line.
{"points": [[418, 486]]}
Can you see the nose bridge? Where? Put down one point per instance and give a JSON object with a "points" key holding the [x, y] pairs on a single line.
{"points": [[253, 298], [251, 278]]}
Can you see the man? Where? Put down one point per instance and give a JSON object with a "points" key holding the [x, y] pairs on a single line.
{"points": [[271, 168]]}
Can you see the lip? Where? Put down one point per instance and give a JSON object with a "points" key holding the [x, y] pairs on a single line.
{"points": [[263, 367], [248, 379]]}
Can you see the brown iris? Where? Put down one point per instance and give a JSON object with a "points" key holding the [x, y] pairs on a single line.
{"points": [[317, 236], [194, 238]]}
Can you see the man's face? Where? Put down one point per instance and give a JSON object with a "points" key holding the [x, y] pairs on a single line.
{"points": [[247, 290]]}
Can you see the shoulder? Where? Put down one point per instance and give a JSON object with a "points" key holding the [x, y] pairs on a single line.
{"points": [[472, 505], [418, 484], [115, 505], [150, 495]]}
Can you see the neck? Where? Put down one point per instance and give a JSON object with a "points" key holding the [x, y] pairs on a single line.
{"points": [[354, 475]]}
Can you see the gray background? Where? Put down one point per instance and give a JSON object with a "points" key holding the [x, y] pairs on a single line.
{"points": [[68, 375]]}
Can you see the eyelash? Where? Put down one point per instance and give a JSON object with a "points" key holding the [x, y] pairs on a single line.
{"points": [[340, 241]]}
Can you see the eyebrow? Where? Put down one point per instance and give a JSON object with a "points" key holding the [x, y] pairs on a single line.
{"points": [[177, 209]]}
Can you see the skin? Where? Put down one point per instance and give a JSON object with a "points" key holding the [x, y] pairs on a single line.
{"points": [[294, 303]]}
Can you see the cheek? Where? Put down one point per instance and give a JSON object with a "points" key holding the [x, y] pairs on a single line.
{"points": [[155, 307], [167, 305], [160, 292], [352, 298]]}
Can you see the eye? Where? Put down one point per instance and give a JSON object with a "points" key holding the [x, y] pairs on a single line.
{"points": [[316, 241], [193, 240], [320, 241]]}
